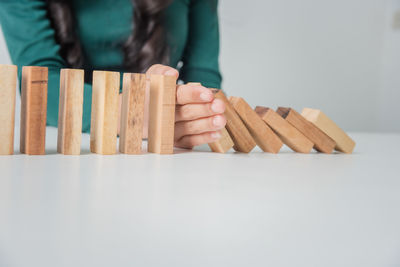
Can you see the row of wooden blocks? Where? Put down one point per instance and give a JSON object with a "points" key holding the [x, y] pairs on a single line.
{"points": [[104, 115], [269, 129], [245, 127]]}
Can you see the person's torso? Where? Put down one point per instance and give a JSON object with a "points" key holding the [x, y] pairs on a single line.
{"points": [[103, 26]]}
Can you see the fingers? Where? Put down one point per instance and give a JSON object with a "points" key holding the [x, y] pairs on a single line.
{"points": [[190, 112], [162, 70], [199, 126], [191, 93], [189, 141]]}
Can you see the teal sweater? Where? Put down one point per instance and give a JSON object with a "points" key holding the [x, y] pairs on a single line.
{"points": [[103, 25]]}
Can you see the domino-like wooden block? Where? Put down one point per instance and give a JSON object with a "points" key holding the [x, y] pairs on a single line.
{"points": [[322, 142], [70, 112], [162, 114], [33, 110], [104, 120], [225, 143], [343, 142], [8, 84], [222, 145], [132, 113], [241, 137], [265, 138], [288, 133]]}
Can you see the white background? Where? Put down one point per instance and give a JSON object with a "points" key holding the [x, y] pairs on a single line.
{"points": [[340, 56]]}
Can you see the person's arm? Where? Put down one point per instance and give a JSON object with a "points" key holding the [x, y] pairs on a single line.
{"points": [[31, 42], [201, 56]]}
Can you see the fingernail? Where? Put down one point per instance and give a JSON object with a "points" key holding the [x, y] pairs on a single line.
{"points": [[170, 72], [206, 96], [216, 135], [216, 107], [218, 121]]}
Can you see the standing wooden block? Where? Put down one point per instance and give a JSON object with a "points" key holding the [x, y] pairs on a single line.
{"points": [[70, 112], [162, 114], [241, 137], [223, 144], [33, 110], [343, 142], [288, 134], [322, 142], [132, 113], [265, 138], [8, 84], [104, 120]]}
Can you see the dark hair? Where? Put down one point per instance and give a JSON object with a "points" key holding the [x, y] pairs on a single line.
{"points": [[145, 46]]}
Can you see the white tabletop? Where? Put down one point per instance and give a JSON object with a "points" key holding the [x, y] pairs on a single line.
{"points": [[202, 209]]}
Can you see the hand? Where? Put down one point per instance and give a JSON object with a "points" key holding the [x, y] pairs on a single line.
{"points": [[198, 117]]}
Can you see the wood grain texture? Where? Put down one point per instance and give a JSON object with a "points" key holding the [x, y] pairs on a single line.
{"points": [[33, 110], [222, 145], [70, 112], [241, 137], [162, 114], [343, 142], [132, 113], [8, 85], [105, 105], [322, 142], [287, 133], [265, 138]]}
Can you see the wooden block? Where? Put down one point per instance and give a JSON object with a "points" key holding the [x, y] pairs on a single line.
{"points": [[241, 137], [288, 133], [265, 138], [322, 142], [33, 110], [162, 114], [223, 144], [104, 120], [70, 112], [132, 113], [343, 142], [8, 85]]}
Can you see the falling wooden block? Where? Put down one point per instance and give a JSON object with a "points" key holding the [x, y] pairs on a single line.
{"points": [[33, 110], [288, 133], [322, 142], [265, 138], [241, 137], [162, 114], [8, 85], [105, 104], [132, 113], [70, 112], [223, 144], [343, 142]]}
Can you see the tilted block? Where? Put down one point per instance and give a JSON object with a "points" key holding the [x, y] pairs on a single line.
{"points": [[265, 138], [241, 137], [132, 113], [104, 120], [288, 133], [225, 143], [343, 142], [33, 110], [162, 114], [8, 85], [222, 145], [322, 142], [70, 112]]}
